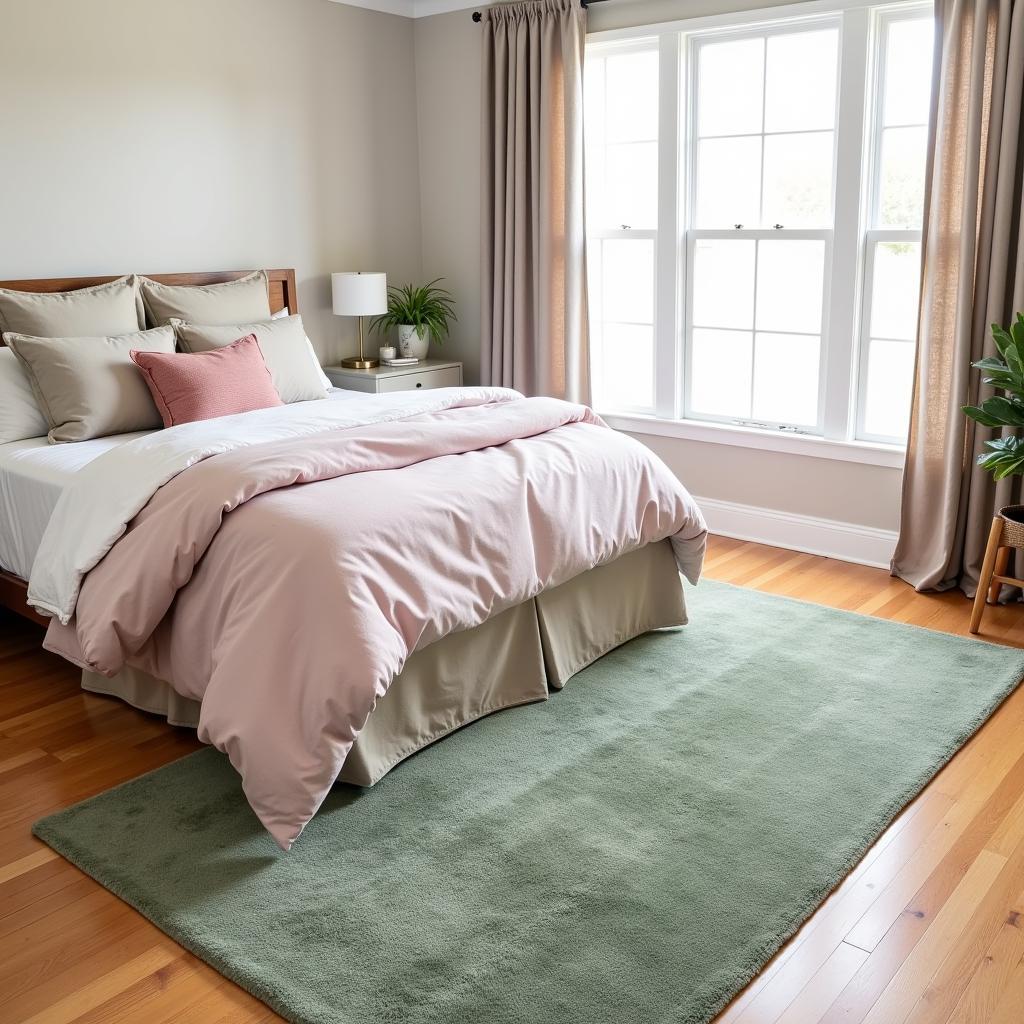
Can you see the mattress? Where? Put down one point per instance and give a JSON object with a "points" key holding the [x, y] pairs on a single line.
{"points": [[32, 475]]}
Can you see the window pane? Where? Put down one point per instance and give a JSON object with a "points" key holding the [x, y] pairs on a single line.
{"points": [[595, 273], [895, 290], [593, 93], [798, 180], [593, 138], [720, 373], [631, 186], [595, 192], [621, 128], [729, 87], [790, 276], [901, 188], [786, 379], [723, 283], [626, 290], [908, 72], [728, 182], [627, 357], [889, 379], [800, 91], [631, 97]]}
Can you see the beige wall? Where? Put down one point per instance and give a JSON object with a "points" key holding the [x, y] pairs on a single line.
{"points": [[448, 103], [824, 488], [147, 135], [448, 91]]}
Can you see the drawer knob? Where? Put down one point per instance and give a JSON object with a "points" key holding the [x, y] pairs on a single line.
{"points": [[419, 383]]}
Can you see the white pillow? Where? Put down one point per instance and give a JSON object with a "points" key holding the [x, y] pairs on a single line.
{"points": [[289, 356], [324, 379], [20, 415]]}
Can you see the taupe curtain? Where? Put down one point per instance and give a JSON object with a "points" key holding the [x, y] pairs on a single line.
{"points": [[973, 277], [534, 315]]}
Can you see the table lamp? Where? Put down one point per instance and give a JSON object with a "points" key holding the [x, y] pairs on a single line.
{"points": [[354, 293]]}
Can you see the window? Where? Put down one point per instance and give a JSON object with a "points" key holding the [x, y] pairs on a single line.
{"points": [[622, 204], [754, 204], [892, 241]]}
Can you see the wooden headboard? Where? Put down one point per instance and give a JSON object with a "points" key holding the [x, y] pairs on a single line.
{"points": [[282, 284]]}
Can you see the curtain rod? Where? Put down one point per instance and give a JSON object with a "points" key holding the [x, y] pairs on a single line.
{"points": [[477, 16]]}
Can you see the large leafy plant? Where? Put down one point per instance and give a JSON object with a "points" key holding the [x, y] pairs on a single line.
{"points": [[426, 306], [1005, 455]]}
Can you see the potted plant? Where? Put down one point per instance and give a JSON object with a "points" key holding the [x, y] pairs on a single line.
{"points": [[419, 313], [1005, 455]]}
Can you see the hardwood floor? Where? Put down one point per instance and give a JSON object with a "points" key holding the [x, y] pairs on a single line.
{"points": [[929, 927]]}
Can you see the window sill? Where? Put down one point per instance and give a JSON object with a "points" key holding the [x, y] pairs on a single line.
{"points": [[864, 452]]}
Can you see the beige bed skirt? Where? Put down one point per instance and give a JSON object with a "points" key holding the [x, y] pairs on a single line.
{"points": [[515, 658]]}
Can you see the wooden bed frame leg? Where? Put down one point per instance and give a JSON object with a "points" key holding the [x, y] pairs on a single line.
{"points": [[987, 571]]}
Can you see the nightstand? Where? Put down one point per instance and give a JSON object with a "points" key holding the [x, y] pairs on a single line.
{"points": [[382, 380]]}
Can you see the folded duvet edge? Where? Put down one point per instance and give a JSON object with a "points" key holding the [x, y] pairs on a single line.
{"points": [[73, 545]]}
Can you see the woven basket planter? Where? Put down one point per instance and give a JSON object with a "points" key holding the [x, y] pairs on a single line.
{"points": [[1013, 525]]}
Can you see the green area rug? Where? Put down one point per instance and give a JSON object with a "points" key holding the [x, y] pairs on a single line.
{"points": [[632, 850]]}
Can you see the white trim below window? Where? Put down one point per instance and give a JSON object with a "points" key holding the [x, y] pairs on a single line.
{"points": [[849, 542], [867, 453]]}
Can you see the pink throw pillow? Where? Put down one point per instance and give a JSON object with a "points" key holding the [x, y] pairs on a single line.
{"points": [[203, 385]]}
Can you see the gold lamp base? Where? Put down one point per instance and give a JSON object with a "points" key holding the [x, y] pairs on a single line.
{"points": [[359, 362]]}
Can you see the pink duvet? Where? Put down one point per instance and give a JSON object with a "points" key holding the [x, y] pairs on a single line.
{"points": [[284, 584]]}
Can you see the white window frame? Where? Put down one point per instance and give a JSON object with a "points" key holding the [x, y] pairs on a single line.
{"points": [[692, 235], [664, 298], [755, 235], [875, 235], [841, 369]]}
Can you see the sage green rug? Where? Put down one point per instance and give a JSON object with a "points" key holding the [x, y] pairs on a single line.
{"points": [[632, 850]]}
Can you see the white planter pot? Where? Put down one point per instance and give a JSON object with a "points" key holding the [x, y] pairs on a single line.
{"points": [[413, 344]]}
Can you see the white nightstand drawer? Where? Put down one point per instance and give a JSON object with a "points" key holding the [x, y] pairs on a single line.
{"points": [[430, 373], [448, 377]]}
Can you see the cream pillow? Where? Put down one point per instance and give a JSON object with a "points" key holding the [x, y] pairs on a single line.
{"points": [[89, 387], [324, 379], [101, 310], [20, 415], [286, 349], [233, 302]]}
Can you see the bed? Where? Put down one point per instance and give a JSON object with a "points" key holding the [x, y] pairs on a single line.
{"points": [[519, 650], [516, 658]]}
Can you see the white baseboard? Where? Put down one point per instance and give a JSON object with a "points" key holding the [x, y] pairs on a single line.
{"points": [[849, 542]]}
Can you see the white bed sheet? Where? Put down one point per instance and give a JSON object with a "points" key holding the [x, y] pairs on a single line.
{"points": [[32, 475]]}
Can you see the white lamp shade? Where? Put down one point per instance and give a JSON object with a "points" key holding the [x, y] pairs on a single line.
{"points": [[356, 294]]}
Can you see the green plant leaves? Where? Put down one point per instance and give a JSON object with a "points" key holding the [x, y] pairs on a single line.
{"points": [[425, 306], [998, 412], [998, 375], [1005, 455], [1004, 458]]}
